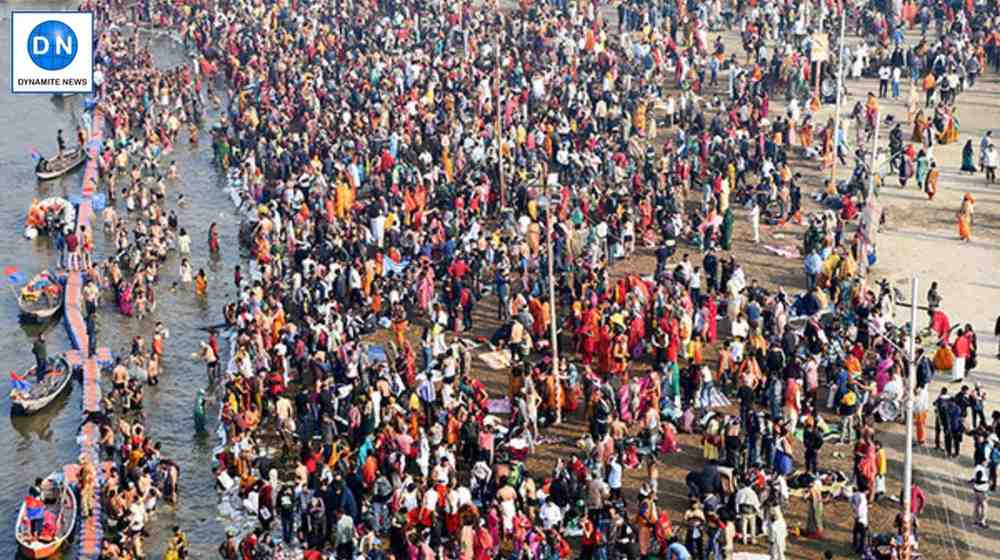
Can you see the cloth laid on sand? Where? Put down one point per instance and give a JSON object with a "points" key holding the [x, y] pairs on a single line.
{"points": [[788, 251]]}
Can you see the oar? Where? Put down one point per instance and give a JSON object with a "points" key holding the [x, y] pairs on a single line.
{"points": [[213, 327]]}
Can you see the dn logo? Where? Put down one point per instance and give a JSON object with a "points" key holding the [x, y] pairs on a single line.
{"points": [[52, 45]]}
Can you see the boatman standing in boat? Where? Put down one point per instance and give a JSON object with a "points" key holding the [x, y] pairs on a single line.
{"points": [[35, 508], [60, 142], [41, 358]]}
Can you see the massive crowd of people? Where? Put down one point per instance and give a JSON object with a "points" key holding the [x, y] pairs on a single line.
{"points": [[399, 165]]}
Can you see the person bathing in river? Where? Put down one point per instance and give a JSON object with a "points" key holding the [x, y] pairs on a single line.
{"points": [[201, 283], [185, 271], [213, 239]]}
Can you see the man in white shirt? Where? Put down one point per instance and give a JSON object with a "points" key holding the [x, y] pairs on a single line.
{"points": [[615, 477], [859, 504], [748, 508], [884, 73], [551, 515], [980, 487], [777, 535]]}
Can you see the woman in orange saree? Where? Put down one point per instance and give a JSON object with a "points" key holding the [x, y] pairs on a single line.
{"points": [[827, 139], [950, 133], [806, 134], [964, 216]]}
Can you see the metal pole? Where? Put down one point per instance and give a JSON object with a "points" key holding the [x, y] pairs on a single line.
{"points": [[819, 72], [499, 135], [840, 87], [911, 382], [874, 164], [553, 322], [867, 235]]}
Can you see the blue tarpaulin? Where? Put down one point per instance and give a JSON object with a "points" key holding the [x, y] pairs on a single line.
{"points": [[390, 266], [376, 353]]}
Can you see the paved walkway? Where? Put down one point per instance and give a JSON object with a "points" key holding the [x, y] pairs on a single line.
{"points": [[921, 238]]}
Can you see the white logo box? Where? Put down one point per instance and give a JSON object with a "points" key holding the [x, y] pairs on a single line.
{"points": [[28, 77]]}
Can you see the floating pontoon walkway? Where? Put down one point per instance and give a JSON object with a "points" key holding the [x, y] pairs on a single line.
{"points": [[91, 529]]}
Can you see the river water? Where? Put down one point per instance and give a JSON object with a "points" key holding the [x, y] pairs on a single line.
{"points": [[37, 445]]}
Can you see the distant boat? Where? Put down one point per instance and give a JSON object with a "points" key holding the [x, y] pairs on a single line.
{"points": [[61, 164], [60, 519], [40, 394], [41, 298]]}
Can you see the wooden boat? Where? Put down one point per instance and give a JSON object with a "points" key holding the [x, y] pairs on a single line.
{"points": [[38, 395], [60, 164], [41, 298], [60, 519]]}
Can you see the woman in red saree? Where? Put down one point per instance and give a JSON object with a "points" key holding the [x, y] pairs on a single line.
{"points": [[637, 336], [711, 319], [588, 335], [669, 442]]}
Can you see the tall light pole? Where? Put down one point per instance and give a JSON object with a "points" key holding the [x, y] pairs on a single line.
{"points": [[547, 203], [499, 132], [908, 458], [840, 87], [867, 237], [874, 163]]}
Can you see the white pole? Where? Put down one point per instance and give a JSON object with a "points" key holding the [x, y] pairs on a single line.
{"points": [[874, 165], [867, 237], [553, 316], [911, 383], [840, 87], [499, 133]]}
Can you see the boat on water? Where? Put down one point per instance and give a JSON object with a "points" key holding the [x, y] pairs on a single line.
{"points": [[42, 298], [46, 215], [28, 395], [58, 506], [61, 164]]}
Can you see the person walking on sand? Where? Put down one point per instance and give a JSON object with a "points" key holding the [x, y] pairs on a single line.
{"points": [[777, 535], [991, 158], [996, 333], [931, 182], [981, 486], [755, 221], [968, 159], [964, 216]]}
